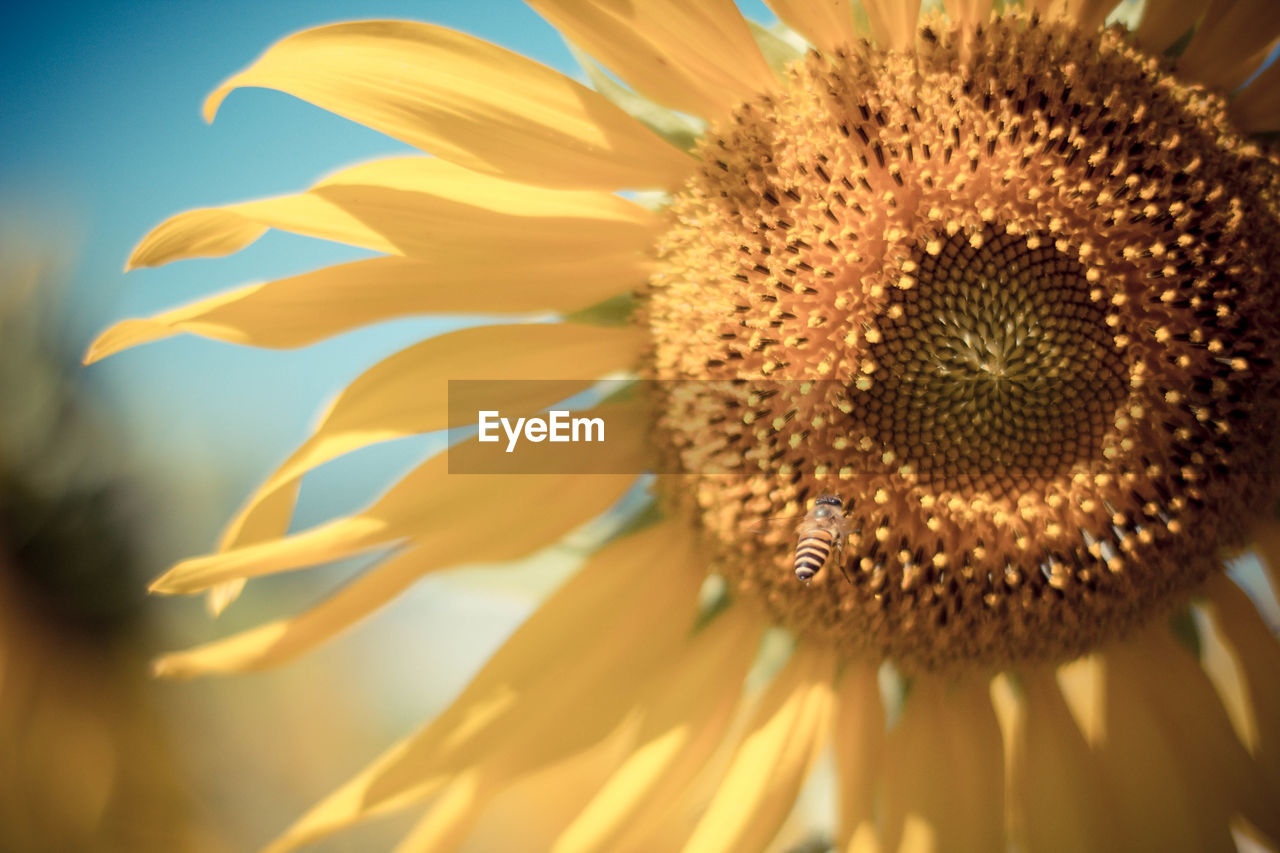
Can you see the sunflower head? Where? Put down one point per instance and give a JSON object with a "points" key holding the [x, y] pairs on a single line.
{"points": [[1021, 322]]}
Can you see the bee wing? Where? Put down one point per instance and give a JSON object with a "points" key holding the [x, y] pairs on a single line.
{"points": [[794, 519]]}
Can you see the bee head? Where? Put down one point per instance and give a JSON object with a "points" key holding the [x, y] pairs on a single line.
{"points": [[829, 500]]}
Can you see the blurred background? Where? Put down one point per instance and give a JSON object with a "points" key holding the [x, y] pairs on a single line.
{"points": [[109, 474]]}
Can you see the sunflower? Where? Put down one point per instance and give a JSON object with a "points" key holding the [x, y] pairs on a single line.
{"points": [[997, 278]]}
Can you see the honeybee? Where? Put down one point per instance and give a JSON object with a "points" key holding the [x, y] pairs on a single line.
{"points": [[822, 528]]}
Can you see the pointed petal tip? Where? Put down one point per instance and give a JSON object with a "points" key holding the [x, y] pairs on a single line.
{"points": [[221, 596], [123, 336], [100, 348], [170, 583], [181, 666], [209, 110], [137, 257], [163, 667], [213, 101]]}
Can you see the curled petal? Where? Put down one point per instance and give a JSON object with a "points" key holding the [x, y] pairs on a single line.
{"points": [[423, 507], [698, 58], [419, 207], [302, 309], [826, 24], [208, 233], [407, 394], [1086, 14], [635, 601], [467, 101], [893, 22], [468, 537]]}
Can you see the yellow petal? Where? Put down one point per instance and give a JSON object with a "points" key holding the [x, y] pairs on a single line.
{"points": [[333, 540], [859, 743], [419, 207], [698, 58], [944, 774], [1166, 21], [773, 759], [271, 521], [466, 536], [302, 309], [208, 233], [1090, 14], [565, 679], [555, 791], [679, 129], [1266, 540], [467, 101], [1230, 42], [531, 812], [1083, 685], [1254, 655], [421, 507], [1231, 74], [1257, 108], [893, 22], [1086, 14], [825, 24], [968, 13], [408, 393], [1055, 790], [682, 726], [451, 816], [220, 596], [1176, 770]]}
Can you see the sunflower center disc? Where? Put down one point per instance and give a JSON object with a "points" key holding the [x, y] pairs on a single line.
{"points": [[995, 371], [1023, 325]]}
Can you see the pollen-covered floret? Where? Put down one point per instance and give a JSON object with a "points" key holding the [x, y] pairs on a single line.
{"points": [[1021, 322]]}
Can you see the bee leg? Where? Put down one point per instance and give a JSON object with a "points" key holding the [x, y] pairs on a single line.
{"points": [[840, 560]]}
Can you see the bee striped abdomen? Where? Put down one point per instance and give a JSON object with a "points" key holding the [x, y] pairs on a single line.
{"points": [[812, 552]]}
